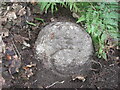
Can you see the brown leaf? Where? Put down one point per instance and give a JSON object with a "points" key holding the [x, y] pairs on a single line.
{"points": [[11, 15], [21, 12], [81, 78], [8, 57], [2, 45], [29, 66]]}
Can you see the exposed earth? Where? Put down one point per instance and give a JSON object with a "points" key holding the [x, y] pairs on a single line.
{"points": [[21, 69]]}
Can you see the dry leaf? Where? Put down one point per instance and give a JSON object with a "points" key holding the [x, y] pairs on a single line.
{"points": [[11, 15], [26, 44], [75, 15], [52, 19], [22, 12], [1, 55], [29, 66], [81, 78], [2, 45], [8, 57]]}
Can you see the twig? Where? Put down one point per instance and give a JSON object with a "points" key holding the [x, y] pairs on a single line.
{"points": [[16, 49], [29, 33], [14, 46], [54, 84]]}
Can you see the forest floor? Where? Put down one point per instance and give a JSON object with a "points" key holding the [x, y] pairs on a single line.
{"points": [[20, 46]]}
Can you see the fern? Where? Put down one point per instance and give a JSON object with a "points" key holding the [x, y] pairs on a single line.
{"points": [[45, 6], [100, 19]]}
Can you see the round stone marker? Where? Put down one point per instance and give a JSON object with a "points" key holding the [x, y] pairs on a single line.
{"points": [[64, 48]]}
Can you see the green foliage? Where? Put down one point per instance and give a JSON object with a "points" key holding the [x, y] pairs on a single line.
{"points": [[72, 6], [30, 23], [45, 6], [100, 20], [40, 19]]}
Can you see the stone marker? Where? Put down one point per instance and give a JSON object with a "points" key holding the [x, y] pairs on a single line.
{"points": [[64, 48]]}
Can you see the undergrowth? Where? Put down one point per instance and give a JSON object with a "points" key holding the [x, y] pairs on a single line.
{"points": [[99, 19]]}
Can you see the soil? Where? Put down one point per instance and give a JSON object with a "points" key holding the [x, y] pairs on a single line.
{"points": [[104, 74]]}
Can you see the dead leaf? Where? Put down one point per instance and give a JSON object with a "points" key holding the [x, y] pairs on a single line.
{"points": [[8, 57], [29, 66], [16, 7], [75, 15], [81, 78], [52, 19], [26, 44], [2, 45], [22, 12], [1, 55], [55, 83], [11, 15]]}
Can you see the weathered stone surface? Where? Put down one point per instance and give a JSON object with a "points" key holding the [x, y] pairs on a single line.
{"points": [[64, 48]]}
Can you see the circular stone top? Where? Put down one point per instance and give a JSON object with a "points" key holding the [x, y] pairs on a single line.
{"points": [[65, 48]]}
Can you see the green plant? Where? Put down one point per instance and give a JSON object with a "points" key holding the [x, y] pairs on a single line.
{"points": [[40, 19], [99, 19], [45, 6], [30, 23], [72, 6]]}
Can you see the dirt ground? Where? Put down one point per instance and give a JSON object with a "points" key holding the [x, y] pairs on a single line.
{"points": [[104, 74]]}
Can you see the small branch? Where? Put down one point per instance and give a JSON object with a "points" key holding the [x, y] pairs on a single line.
{"points": [[16, 49], [54, 84], [14, 46]]}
